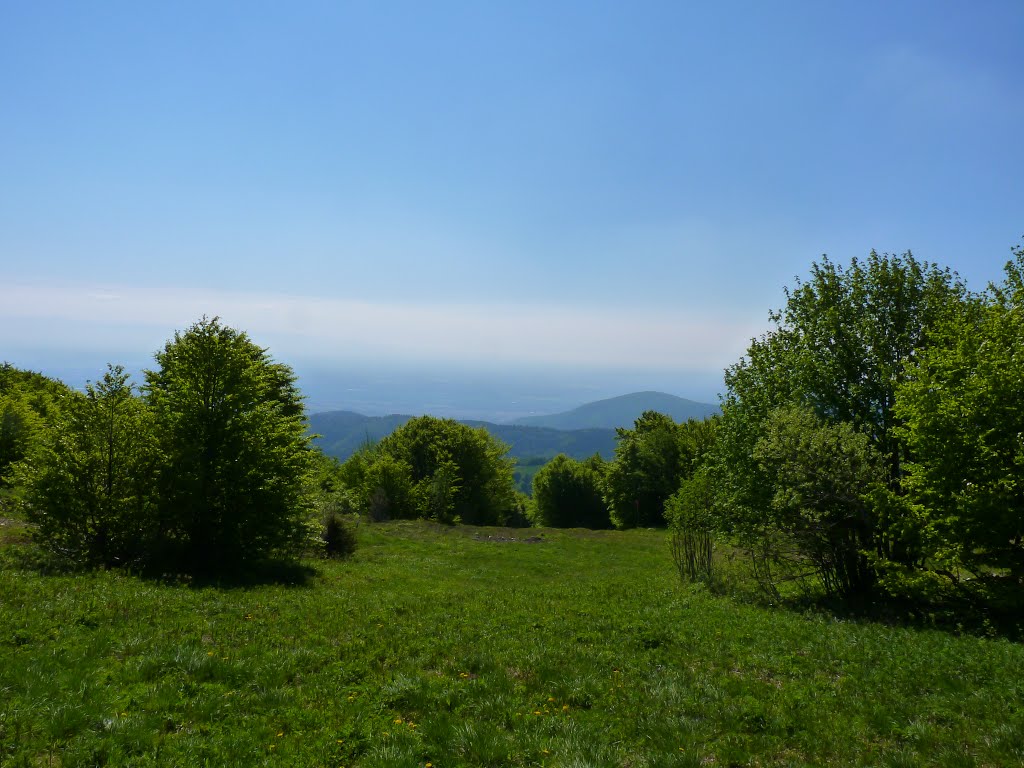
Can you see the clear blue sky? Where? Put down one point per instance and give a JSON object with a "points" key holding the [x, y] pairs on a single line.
{"points": [[568, 184]]}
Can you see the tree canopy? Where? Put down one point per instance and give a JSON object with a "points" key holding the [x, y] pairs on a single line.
{"points": [[89, 484], [839, 349], [231, 427], [438, 469], [567, 494], [651, 460], [960, 405]]}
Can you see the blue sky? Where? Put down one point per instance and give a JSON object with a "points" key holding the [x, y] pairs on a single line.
{"points": [[572, 186]]}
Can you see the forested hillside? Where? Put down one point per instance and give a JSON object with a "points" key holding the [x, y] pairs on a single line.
{"points": [[621, 411], [342, 433]]}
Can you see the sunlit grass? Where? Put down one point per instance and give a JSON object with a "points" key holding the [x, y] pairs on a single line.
{"points": [[443, 646]]}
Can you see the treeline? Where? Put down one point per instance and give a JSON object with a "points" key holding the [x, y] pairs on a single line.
{"points": [[869, 443], [872, 440], [450, 472], [206, 468]]}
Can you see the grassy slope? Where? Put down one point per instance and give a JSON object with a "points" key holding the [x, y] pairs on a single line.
{"points": [[440, 646]]}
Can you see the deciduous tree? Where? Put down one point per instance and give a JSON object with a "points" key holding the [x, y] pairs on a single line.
{"points": [[91, 485], [567, 494], [964, 424], [231, 425]]}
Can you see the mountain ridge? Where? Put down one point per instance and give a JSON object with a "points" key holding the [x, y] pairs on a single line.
{"points": [[342, 433], [579, 433], [620, 411]]}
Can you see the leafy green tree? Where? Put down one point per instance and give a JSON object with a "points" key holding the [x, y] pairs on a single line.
{"points": [[839, 347], [20, 428], [386, 489], [650, 461], [819, 518], [964, 425], [28, 401], [231, 425], [690, 516], [458, 473], [567, 494], [90, 487]]}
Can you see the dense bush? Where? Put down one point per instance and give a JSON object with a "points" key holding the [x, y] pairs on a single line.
{"points": [[90, 482], [437, 469], [567, 494], [209, 470], [818, 521], [838, 351], [960, 407], [651, 460], [338, 535], [690, 516], [28, 402]]}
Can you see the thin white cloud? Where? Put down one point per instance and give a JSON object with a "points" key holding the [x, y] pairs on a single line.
{"points": [[56, 316]]}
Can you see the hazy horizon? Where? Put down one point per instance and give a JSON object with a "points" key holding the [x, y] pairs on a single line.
{"points": [[608, 193], [493, 395]]}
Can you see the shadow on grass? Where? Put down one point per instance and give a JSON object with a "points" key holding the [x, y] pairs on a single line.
{"points": [[285, 573], [27, 555], [999, 614]]}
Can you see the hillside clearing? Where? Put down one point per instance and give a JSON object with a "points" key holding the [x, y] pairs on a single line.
{"points": [[473, 647]]}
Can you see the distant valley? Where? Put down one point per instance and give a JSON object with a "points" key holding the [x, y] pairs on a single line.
{"points": [[580, 432]]}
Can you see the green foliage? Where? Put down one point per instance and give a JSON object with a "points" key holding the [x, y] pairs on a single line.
{"points": [[339, 536], [20, 428], [90, 486], [454, 473], [838, 348], [522, 513], [44, 394], [961, 404], [567, 494], [231, 426], [28, 401], [650, 461], [818, 516], [690, 516], [387, 489]]}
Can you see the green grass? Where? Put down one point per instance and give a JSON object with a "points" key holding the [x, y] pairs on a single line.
{"points": [[444, 646]]}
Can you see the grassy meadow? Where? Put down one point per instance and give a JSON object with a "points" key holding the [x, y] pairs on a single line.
{"points": [[461, 646]]}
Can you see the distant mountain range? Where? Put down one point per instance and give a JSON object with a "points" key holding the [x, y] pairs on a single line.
{"points": [[621, 411], [579, 433], [343, 432]]}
